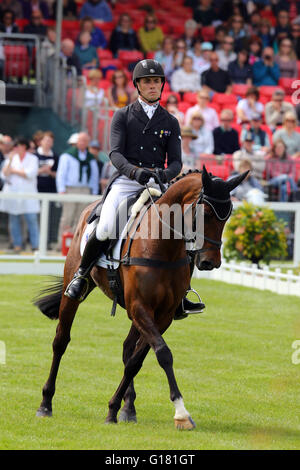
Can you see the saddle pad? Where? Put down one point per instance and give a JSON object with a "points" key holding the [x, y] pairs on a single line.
{"points": [[103, 261]]}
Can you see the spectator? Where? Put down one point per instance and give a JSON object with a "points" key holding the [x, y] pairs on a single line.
{"points": [[8, 24], [261, 139], [282, 29], [68, 53], [123, 37], [287, 59], [215, 79], [254, 23], [265, 33], [220, 34], [94, 94], [86, 53], [94, 149], [190, 33], [2, 62], [189, 158], [97, 9], [201, 56], [276, 109], [31, 6], [7, 145], [255, 49], [240, 71], [107, 171], [165, 56], [77, 173], [204, 144], [204, 13], [226, 139], [118, 93], [48, 162], [237, 31], [209, 114], [172, 108], [185, 79], [48, 46], [20, 174], [249, 106], [295, 35], [179, 53], [226, 53], [229, 8], [280, 170], [289, 135], [150, 35], [13, 5], [250, 189], [266, 71], [69, 10], [97, 37], [36, 26], [248, 153]]}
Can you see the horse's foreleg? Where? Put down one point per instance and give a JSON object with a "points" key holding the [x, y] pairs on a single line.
{"points": [[128, 413], [152, 335], [68, 309], [132, 367]]}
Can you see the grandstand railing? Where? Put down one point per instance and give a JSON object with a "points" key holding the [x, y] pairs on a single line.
{"points": [[22, 69], [290, 210]]}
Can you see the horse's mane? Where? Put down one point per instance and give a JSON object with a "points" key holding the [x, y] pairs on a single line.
{"points": [[183, 175]]}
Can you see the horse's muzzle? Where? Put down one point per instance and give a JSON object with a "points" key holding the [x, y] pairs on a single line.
{"points": [[207, 265]]}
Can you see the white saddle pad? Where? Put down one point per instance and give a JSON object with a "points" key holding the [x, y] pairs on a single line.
{"points": [[103, 262]]}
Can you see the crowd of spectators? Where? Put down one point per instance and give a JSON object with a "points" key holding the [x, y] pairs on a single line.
{"points": [[225, 66]]}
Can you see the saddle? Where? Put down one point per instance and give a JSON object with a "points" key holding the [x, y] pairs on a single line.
{"points": [[126, 214]]}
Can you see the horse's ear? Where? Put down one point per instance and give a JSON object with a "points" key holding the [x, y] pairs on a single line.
{"points": [[206, 179], [234, 182]]}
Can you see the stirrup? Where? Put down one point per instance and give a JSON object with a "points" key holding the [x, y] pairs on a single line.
{"points": [[84, 291], [200, 305]]}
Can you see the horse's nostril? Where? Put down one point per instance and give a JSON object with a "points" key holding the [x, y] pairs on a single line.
{"points": [[206, 265]]}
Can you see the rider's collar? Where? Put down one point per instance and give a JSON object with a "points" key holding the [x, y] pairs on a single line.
{"points": [[148, 108]]}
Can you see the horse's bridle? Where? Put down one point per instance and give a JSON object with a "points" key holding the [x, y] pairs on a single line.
{"points": [[204, 198]]}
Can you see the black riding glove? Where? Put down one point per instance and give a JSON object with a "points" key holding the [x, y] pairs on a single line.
{"points": [[142, 175], [161, 174]]}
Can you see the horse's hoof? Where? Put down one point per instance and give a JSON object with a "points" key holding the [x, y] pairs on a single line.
{"points": [[110, 420], [185, 424], [43, 412], [126, 417]]}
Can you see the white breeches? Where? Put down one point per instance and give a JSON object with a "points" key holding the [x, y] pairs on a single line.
{"points": [[122, 188]]}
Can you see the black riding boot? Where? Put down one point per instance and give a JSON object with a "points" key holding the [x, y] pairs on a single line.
{"points": [[78, 287], [187, 307]]}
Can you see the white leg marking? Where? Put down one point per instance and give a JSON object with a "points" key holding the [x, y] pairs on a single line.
{"points": [[180, 411]]}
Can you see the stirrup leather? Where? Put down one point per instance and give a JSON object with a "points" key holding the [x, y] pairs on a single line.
{"points": [[189, 312], [84, 290]]}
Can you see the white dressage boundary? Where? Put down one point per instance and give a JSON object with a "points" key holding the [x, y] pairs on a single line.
{"points": [[251, 276]]}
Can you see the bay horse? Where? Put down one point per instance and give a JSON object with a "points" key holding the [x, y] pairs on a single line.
{"points": [[152, 292]]}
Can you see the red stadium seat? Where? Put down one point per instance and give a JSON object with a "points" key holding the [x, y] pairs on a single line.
{"points": [[208, 33], [104, 54], [16, 61], [240, 89], [190, 97], [165, 95], [286, 84], [21, 23], [183, 106], [268, 91], [224, 100], [127, 57]]}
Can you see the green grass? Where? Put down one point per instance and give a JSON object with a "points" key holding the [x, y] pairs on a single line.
{"points": [[233, 366]]}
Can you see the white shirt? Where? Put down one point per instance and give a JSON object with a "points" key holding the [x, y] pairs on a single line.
{"points": [[68, 173], [248, 111], [148, 108], [210, 116], [185, 81], [204, 142], [18, 184]]}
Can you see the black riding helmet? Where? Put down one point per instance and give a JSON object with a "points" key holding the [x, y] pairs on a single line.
{"points": [[148, 68]]}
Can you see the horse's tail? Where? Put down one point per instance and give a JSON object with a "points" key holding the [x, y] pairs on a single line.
{"points": [[48, 299]]}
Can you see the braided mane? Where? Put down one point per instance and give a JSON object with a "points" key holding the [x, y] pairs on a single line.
{"points": [[180, 177]]}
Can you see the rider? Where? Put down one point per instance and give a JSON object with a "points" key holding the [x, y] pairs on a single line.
{"points": [[143, 136]]}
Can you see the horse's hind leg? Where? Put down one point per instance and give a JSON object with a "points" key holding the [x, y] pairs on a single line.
{"points": [[67, 313], [128, 413]]}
